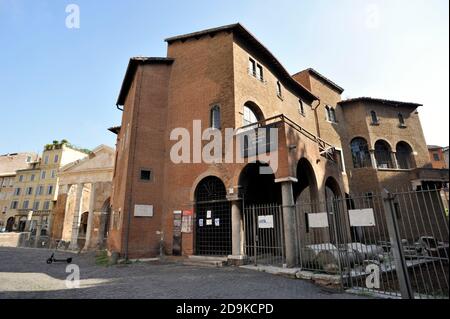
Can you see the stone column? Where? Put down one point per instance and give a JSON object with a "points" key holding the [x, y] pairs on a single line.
{"points": [[29, 220], [394, 160], [76, 217], [101, 231], [90, 220], [289, 219], [49, 225], [236, 228], [237, 243], [373, 159], [38, 232]]}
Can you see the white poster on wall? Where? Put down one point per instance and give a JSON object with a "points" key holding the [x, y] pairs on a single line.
{"points": [[362, 217], [143, 210], [319, 220], [265, 221]]}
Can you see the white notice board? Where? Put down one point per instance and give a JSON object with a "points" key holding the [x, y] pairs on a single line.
{"points": [[265, 221], [143, 210], [362, 217]]}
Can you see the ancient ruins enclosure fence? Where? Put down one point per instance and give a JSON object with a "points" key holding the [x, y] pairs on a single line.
{"points": [[394, 244]]}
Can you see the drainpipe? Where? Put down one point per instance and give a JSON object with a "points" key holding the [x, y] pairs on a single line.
{"points": [[317, 118]]}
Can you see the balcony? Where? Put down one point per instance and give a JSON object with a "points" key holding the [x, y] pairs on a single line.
{"points": [[430, 174], [260, 140]]}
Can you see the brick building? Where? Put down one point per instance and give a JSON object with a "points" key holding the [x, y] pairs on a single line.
{"points": [[225, 78], [437, 156]]}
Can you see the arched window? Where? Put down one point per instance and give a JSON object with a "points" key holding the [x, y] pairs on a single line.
{"points": [[374, 117], [249, 117], [404, 155], [401, 120], [360, 153], [215, 117], [331, 114], [383, 155]]}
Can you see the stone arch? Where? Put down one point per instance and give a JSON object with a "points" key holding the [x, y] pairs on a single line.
{"points": [[383, 154], [9, 224], [307, 181], [404, 153], [332, 189], [200, 178], [360, 152], [257, 188], [255, 109]]}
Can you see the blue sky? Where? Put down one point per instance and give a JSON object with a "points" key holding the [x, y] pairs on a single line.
{"points": [[60, 83]]}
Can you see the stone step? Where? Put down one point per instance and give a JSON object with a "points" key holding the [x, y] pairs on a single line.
{"points": [[207, 261], [215, 264], [207, 258]]}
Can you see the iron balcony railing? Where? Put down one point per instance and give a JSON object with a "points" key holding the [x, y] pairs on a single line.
{"points": [[326, 149]]}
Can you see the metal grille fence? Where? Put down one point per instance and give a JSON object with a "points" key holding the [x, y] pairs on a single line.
{"points": [[395, 244]]}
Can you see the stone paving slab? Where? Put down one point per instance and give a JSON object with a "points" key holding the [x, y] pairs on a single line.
{"points": [[24, 273]]}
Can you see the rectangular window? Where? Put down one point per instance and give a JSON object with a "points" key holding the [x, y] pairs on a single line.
{"points": [[46, 205], [252, 67], [28, 159], [53, 174], [50, 190], [46, 159], [14, 204], [279, 89], [36, 206], [32, 178], [25, 204], [301, 107], [39, 190], [21, 178], [436, 157], [56, 159], [259, 73], [43, 175], [29, 190], [146, 175], [17, 192]]}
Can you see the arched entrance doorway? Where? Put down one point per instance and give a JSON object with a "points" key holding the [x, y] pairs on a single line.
{"points": [[335, 205], [213, 218], [262, 215], [305, 190], [9, 224], [257, 188]]}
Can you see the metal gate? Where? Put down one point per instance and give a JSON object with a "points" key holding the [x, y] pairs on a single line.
{"points": [[213, 219], [264, 237]]}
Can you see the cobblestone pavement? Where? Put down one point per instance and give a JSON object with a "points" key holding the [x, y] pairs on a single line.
{"points": [[25, 274]]}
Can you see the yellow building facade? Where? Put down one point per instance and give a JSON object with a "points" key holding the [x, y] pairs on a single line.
{"points": [[36, 188]]}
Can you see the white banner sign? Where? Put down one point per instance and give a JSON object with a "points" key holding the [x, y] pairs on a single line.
{"points": [[362, 217], [319, 220]]}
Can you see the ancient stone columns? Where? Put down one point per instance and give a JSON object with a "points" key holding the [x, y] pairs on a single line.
{"points": [[90, 217], [237, 242], [288, 219], [76, 217]]}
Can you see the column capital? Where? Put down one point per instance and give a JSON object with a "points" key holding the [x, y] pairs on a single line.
{"points": [[286, 179], [234, 198]]}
